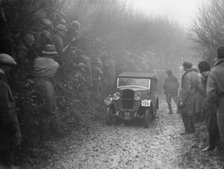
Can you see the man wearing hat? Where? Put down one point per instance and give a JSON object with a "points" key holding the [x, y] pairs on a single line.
{"points": [[45, 69], [10, 134], [109, 71], [47, 24], [59, 37], [24, 53], [43, 38], [73, 30], [215, 90], [171, 86], [187, 97], [210, 109]]}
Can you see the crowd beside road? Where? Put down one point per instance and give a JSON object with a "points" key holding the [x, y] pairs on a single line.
{"points": [[41, 50], [40, 55], [200, 98]]}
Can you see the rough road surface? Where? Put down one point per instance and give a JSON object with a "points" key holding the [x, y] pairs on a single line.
{"points": [[131, 146]]}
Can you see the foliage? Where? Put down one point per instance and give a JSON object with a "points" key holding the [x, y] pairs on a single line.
{"points": [[207, 30], [116, 27]]}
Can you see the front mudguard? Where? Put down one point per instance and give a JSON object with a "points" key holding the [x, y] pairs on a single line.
{"points": [[109, 102]]}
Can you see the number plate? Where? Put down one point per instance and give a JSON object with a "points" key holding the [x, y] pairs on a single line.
{"points": [[146, 103], [127, 116]]}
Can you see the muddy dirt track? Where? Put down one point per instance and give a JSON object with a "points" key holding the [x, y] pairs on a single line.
{"points": [[131, 146]]}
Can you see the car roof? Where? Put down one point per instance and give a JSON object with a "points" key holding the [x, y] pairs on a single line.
{"points": [[138, 75]]}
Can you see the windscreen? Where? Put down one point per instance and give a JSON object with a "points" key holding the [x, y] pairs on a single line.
{"points": [[121, 82]]}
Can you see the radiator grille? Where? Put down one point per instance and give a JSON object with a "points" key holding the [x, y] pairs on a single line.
{"points": [[127, 99]]}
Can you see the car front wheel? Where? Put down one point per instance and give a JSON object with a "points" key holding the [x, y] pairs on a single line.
{"points": [[109, 116], [147, 118]]}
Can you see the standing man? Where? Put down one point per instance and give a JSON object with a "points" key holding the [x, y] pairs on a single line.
{"points": [[45, 69], [10, 135], [58, 40], [209, 109], [109, 72], [187, 97], [171, 86], [73, 30], [215, 90]]}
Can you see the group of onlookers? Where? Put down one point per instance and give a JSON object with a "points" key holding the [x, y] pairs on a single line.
{"points": [[44, 70], [201, 97], [39, 53]]}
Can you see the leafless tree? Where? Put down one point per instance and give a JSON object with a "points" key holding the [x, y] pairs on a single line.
{"points": [[208, 28]]}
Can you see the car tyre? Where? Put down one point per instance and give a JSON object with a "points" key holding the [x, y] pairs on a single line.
{"points": [[147, 118], [157, 103], [153, 111], [109, 116]]}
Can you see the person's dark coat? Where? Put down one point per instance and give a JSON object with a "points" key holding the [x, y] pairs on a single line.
{"points": [[59, 45], [44, 72], [10, 134], [171, 85], [215, 93], [188, 91]]}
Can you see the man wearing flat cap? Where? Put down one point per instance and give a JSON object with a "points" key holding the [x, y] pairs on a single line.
{"points": [[187, 97], [10, 135], [215, 90], [209, 109]]}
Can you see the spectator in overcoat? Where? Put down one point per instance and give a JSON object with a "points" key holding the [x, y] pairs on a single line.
{"points": [[109, 72], [45, 68], [215, 90], [10, 134], [170, 87], [58, 40], [187, 97], [73, 31], [209, 109], [200, 101]]}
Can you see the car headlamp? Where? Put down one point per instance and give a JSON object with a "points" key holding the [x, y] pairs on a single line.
{"points": [[137, 96], [108, 101], [117, 96]]}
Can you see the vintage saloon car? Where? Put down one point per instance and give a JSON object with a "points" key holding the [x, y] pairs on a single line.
{"points": [[135, 97]]}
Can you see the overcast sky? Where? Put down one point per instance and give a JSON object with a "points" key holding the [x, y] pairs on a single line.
{"points": [[182, 11]]}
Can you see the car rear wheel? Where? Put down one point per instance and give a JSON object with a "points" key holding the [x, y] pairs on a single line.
{"points": [[157, 103], [154, 111], [109, 116], [147, 118]]}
